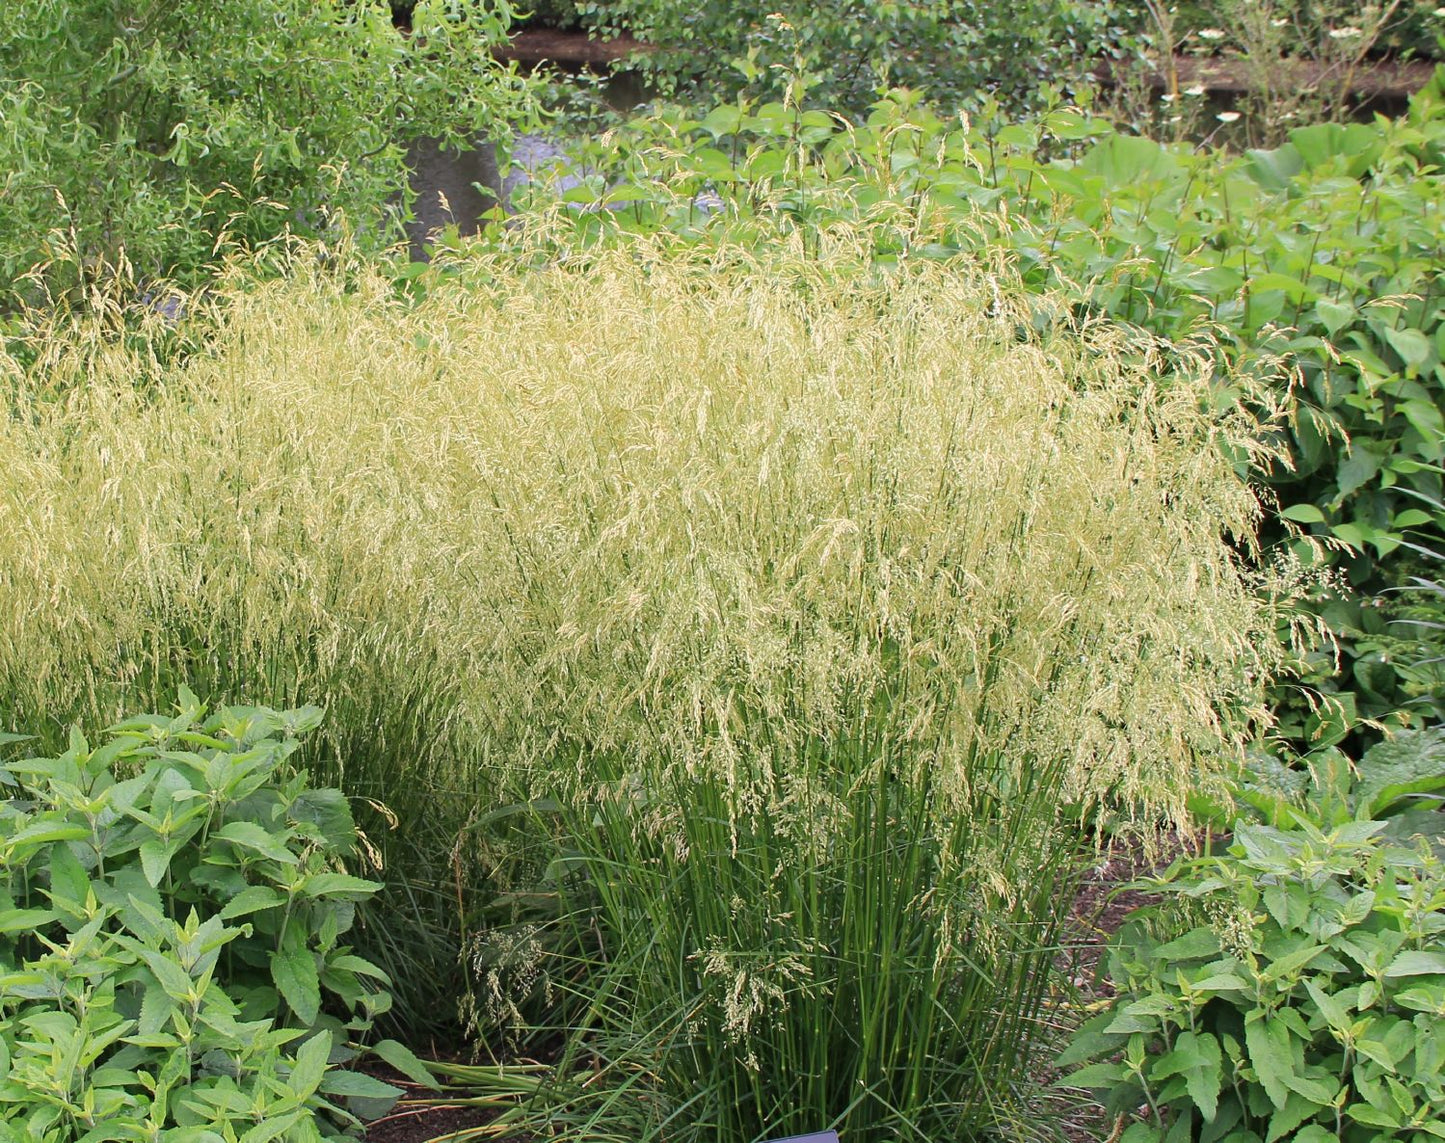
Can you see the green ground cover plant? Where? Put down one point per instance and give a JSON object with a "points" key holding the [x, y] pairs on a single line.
{"points": [[1291, 988], [172, 911], [151, 132], [843, 586], [1314, 265]]}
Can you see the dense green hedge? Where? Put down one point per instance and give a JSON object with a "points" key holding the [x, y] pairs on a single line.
{"points": [[846, 51]]}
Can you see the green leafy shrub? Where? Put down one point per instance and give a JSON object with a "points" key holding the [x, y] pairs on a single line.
{"points": [[1295, 991], [844, 53], [133, 1007], [155, 132]]}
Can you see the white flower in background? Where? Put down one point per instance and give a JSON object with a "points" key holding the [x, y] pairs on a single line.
{"points": [[1227, 116], [1211, 33], [1278, 22], [1345, 33], [1168, 97], [1197, 89]]}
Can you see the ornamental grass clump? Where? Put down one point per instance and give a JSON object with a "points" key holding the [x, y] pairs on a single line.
{"points": [[821, 600]]}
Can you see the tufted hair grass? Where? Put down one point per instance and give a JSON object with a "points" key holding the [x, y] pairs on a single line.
{"points": [[823, 600]]}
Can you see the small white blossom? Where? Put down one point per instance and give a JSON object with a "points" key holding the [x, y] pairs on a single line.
{"points": [[1197, 89], [1227, 116], [1344, 33], [1211, 33]]}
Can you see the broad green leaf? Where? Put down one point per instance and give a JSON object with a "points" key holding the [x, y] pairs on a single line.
{"points": [[1425, 416], [294, 972], [1413, 963], [1200, 942], [349, 1083], [339, 885], [1360, 467], [1094, 1076], [1303, 514], [155, 859], [1412, 346], [1373, 1116], [310, 1069], [45, 832], [1334, 316], [1430, 998], [1268, 1043], [1200, 1063], [1296, 1110], [351, 963], [251, 836], [174, 979], [1319, 1090], [23, 920], [274, 1127], [1290, 963], [251, 900], [406, 1062]]}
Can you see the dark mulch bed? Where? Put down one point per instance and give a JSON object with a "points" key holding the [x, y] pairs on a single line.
{"points": [[425, 1122]]}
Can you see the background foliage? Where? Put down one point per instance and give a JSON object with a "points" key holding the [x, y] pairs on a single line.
{"points": [[157, 131], [845, 51]]}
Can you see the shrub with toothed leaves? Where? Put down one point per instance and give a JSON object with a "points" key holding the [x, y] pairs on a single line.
{"points": [[172, 908], [1291, 988]]}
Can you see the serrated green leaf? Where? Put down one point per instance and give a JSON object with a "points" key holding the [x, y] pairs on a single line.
{"points": [[251, 836], [1412, 963], [1094, 1076], [252, 899], [24, 920], [1200, 942], [350, 963], [1291, 963], [173, 979], [1303, 514], [1296, 1110], [273, 1127], [1268, 1044], [155, 859], [339, 885], [310, 1069], [294, 972]]}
